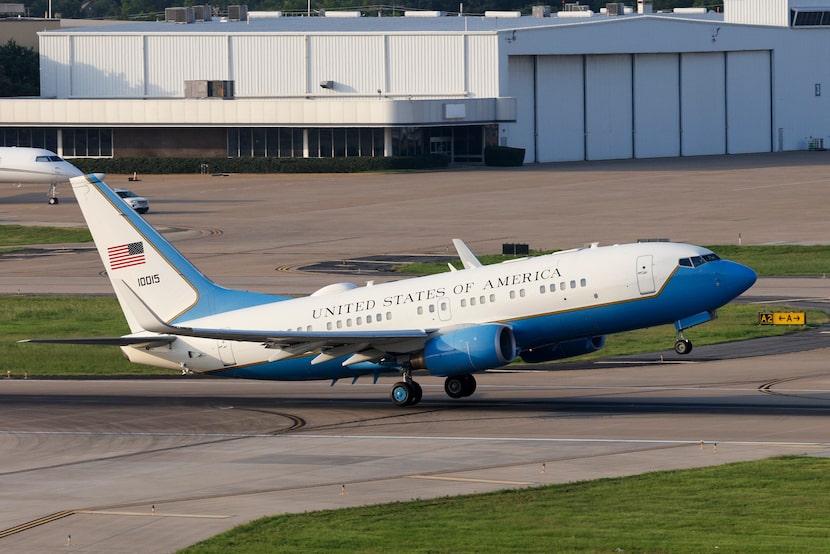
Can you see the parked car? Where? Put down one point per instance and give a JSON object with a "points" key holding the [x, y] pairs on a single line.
{"points": [[136, 202]]}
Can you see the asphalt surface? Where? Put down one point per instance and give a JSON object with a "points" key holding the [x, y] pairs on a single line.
{"points": [[155, 465]]}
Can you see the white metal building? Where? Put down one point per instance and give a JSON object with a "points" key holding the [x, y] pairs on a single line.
{"points": [[577, 86]]}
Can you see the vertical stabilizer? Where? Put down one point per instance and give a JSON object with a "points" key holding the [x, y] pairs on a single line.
{"points": [[135, 254]]}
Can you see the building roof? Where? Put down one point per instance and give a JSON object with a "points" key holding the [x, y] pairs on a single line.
{"points": [[314, 24]]}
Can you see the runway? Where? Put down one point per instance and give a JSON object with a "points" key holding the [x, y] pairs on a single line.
{"points": [[156, 465]]}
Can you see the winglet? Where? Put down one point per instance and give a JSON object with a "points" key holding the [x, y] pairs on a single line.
{"points": [[467, 257]]}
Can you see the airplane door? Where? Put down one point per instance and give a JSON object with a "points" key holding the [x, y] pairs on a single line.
{"points": [[645, 275]]}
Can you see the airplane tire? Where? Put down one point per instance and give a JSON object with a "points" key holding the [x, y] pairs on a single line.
{"points": [[417, 393], [402, 394], [455, 386], [683, 347], [469, 385]]}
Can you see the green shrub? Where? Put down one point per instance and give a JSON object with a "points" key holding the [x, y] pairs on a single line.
{"points": [[151, 166]]}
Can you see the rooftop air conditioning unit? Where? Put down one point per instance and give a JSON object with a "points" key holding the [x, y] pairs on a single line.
{"points": [[615, 8], [202, 13], [238, 12], [541, 11], [576, 7]]}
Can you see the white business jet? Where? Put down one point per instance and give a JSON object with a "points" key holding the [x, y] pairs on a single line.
{"points": [[450, 325], [24, 166]]}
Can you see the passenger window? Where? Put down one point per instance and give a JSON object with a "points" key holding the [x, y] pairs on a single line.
{"points": [[339, 324], [431, 309], [492, 298], [368, 319], [463, 302], [473, 301], [482, 300], [420, 310], [359, 321], [522, 293], [542, 289], [349, 322], [512, 294], [553, 287], [583, 282], [562, 285], [388, 316], [328, 326]]}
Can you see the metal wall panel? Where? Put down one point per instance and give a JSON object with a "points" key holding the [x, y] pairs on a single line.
{"points": [[353, 63], [482, 65], [702, 104], [656, 105], [608, 104], [560, 108], [174, 59], [426, 64], [107, 66], [748, 102], [520, 133], [268, 65], [55, 61]]}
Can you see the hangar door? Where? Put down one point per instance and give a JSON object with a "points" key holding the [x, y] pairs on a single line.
{"points": [[597, 107]]}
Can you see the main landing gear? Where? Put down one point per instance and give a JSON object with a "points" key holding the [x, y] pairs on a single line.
{"points": [[409, 393], [682, 346]]}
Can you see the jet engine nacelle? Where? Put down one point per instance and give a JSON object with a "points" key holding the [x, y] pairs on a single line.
{"points": [[562, 350], [467, 350]]}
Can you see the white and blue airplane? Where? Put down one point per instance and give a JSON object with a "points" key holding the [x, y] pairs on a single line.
{"points": [[21, 165], [450, 325]]}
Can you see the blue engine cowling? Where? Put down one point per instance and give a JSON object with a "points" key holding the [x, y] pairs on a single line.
{"points": [[562, 350], [467, 350]]}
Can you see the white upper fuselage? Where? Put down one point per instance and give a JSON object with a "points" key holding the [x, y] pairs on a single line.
{"points": [[21, 165]]}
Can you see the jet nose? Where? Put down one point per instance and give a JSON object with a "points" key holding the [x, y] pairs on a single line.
{"points": [[737, 278]]}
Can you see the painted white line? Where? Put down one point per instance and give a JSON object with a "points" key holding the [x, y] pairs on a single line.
{"points": [[150, 514], [468, 480]]}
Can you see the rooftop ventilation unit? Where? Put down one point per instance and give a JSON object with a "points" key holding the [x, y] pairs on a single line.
{"points": [[615, 8], [577, 7], [541, 11], [202, 13], [424, 13], [238, 12], [344, 14], [493, 13], [179, 15]]}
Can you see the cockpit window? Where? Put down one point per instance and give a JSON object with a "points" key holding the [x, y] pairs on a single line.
{"points": [[42, 159], [48, 159], [697, 261]]}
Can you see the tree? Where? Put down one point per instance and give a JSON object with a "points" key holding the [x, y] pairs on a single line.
{"points": [[19, 70]]}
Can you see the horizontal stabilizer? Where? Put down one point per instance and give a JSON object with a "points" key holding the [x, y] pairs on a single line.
{"points": [[151, 342]]}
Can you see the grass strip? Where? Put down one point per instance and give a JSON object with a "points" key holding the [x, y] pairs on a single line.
{"points": [[776, 505]]}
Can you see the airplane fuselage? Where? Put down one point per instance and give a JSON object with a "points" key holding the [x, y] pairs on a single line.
{"points": [[565, 296]]}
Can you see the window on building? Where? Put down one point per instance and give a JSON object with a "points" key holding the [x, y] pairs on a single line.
{"points": [[87, 143]]}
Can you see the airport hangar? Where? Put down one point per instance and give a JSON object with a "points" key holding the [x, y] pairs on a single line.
{"points": [[568, 86]]}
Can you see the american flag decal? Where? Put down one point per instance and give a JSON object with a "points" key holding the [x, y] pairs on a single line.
{"points": [[126, 255]]}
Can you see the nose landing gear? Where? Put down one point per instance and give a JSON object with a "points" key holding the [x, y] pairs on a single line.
{"points": [[683, 345]]}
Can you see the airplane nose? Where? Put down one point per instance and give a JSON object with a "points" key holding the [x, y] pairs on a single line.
{"points": [[737, 278]]}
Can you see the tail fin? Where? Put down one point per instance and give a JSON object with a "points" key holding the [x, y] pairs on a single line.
{"points": [[140, 261]]}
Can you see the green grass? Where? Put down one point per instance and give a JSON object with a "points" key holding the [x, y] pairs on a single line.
{"points": [[777, 505], [14, 237], [778, 260], [25, 317]]}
